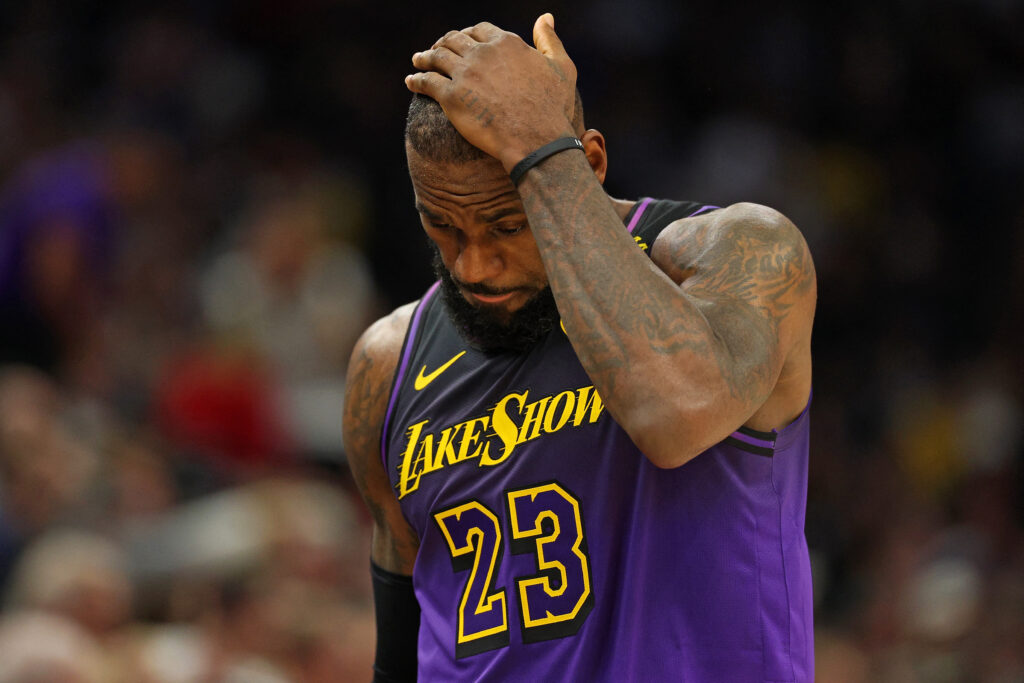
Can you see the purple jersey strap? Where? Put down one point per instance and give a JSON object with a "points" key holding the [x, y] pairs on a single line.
{"points": [[403, 367], [644, 203], [703, 209]]}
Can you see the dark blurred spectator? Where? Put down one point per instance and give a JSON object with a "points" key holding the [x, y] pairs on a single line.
{"points": [[55, 252], [223, 407], [80, 576], [45, 474], [41, 647]]}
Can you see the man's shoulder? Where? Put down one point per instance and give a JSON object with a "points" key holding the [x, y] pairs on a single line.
{"points": [[740, 229], [382, 341], [370, 372], [730, 221], [375, 359]]}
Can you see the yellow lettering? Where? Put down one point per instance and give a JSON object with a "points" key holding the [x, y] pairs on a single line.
{"points": [[549, 415], [470, 439], [409, 473], [445, 450], [471, 432], [534, 418], [504, 428], [588, 398]]}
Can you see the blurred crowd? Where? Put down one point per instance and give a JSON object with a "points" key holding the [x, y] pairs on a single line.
{"points": [[203, 204]]}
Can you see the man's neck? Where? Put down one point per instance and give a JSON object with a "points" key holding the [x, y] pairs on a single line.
{"points": [[623, 207]]}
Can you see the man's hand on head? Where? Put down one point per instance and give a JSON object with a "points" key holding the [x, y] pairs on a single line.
{"points": [[502, 95]]}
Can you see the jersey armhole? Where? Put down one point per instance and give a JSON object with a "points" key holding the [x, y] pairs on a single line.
{"points": [[408, 344], [648, 218]]}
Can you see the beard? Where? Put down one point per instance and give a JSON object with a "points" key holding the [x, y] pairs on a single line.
{"points": [[494, 331]]}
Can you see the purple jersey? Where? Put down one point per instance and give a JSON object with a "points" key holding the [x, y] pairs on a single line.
{"points": [[551, 549]]}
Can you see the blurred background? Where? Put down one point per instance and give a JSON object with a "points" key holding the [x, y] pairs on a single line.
{"points": [[202, 204]]}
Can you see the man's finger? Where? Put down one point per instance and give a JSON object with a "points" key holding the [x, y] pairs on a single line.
{"points": [[441, 60], [545, 39], [441, 40], [428, 83], [456, 41], [484, 31]]}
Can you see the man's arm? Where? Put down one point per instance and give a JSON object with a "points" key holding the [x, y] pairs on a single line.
{"points": [[394, 545], [679, 367], [689, 345], [370, 373]]}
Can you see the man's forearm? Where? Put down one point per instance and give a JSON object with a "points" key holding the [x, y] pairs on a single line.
{"points": [[646, 346]]}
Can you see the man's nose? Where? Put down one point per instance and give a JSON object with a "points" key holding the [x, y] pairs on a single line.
{"points": [[477, 263]]}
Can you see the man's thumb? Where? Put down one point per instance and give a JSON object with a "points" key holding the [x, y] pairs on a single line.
{"points": [[544, 37]]}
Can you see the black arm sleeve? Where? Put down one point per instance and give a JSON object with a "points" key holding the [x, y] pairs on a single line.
{"points": [[398, 626]]}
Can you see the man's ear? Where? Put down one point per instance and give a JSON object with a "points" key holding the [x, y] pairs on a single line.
{"points": [[597, 155]]}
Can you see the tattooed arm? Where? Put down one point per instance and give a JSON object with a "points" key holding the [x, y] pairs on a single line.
{"points": [[394, 543], [393, 552], [711, 335], [370, 372]]}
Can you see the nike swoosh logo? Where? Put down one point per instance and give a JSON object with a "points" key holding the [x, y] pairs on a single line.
{"points": [[423, 380]]}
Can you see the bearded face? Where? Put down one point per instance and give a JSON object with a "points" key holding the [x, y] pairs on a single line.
{"points": [[492, 329]]}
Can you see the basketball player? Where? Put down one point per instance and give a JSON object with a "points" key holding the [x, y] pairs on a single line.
{"points": [[585, 447]]}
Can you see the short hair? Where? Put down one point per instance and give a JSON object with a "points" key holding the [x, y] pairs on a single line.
{"points": [[429, 132]]}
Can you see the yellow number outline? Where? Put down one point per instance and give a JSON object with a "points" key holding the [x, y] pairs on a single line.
{"points": [[543, 564], [474, 536], [468, 554]]}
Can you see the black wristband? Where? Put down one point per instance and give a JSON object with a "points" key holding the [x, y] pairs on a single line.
{"points": [[398, 625], [537, 156]]}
